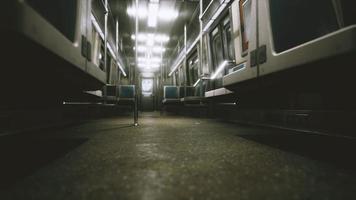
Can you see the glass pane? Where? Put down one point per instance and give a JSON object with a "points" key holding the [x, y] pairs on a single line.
{"points": [[193, 69], [295, 22], [230, 44], [217, 50], [181, 76], [62, 14]]}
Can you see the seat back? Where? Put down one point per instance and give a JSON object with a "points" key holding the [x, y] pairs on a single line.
{"points": [[170, 92], [127, 91], [190, 91], [181, 92], [110, 90]]}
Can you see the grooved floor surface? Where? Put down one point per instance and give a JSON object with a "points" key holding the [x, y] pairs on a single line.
{"points": [[175, 158]]}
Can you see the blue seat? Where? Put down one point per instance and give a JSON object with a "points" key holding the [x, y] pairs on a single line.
{"points": [[171, 95], [110, 93], [126, 94]]}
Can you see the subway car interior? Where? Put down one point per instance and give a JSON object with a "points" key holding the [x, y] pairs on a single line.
{"points": [[178, 99]]}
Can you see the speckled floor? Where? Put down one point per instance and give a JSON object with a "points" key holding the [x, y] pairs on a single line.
{"points": [[174, 158]]}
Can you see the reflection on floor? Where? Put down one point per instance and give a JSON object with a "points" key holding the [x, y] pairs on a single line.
{"points": [[175, 158]]}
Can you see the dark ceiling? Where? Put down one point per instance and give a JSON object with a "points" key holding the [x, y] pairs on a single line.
{"points": [[174, 29]]}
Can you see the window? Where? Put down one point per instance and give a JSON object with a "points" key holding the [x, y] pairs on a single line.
{"points": [[222, 46], [108, 67], [217, 48], [176, 78], [193, 66], [96, 47], [101, 57], [297, 22], [229, 43], [181, 76], [62, 14], [245, 23]]}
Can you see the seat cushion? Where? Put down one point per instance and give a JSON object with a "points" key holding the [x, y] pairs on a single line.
{"points": [[171, 101]]}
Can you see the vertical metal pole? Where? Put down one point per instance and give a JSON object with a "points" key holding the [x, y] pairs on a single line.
{"points": [[201, 48], [134, 74], [184, 73], [117, 35], [106, 39]]}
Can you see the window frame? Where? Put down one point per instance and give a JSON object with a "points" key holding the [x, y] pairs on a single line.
{"points": [[277, 49]]}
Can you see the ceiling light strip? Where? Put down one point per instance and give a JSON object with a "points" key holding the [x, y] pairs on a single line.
{"points": [[97, 26]]}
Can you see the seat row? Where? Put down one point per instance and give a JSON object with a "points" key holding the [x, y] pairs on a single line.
{"points": [[176, 95], [119, 94]]}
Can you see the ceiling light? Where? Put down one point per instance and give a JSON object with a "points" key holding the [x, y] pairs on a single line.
{"points": [[149, 66], [153, 9], [167, 14], [149, 60], [159, 38], [141, 12], [141, 49], [150, 42], [158, 49], [162, 38]]}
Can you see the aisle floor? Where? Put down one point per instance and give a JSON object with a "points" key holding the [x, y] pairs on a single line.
{"points": [[175, 158]]}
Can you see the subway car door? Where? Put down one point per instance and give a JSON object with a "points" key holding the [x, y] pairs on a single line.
{"points": [[147, 94], [244, 35]]}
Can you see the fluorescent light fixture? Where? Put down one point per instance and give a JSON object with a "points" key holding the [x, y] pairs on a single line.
{"points": [[208, 25], [147, 74], [141, 12], [111, 50], [153, 13], [141, 48], [220, 68], [153, 9], [122, 69], [167, 14], [159, 38], [97, 27], [157, 49], [147, 65], [197, 82], [149, 60], [150, 43], [154, 49]]}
